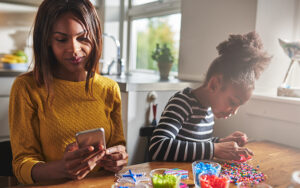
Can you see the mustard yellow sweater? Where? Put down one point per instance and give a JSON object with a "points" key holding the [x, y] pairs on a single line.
{"points": [[40, 133]]}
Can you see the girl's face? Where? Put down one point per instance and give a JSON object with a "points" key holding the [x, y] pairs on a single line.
{"points": [[71, 47], [226, 100]]}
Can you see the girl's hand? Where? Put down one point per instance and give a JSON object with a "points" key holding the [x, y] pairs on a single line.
{"points": [[231, 151], [239, 137], [115, 158], [77, 163]]}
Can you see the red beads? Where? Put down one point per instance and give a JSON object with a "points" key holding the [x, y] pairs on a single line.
{"points": [[212, 181], [244, 159]]}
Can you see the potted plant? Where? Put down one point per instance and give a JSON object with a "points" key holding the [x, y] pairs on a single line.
{"points": [[164, 59]]}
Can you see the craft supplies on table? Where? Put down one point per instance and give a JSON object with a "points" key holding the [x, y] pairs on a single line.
{"points": [[176, 171], [210, 181], [161, 180], [204, 167], [132, 176], [242, 173]]}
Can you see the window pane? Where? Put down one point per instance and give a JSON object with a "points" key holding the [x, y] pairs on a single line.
{"points": [[140, 2], [147, 32]]}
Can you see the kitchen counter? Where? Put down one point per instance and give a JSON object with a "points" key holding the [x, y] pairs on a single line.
{"points": [[133, 81], [149, 82], [10, 73]]}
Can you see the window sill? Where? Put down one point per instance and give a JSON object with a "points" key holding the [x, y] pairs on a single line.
{"points": [[275, 98], [274, 107]]}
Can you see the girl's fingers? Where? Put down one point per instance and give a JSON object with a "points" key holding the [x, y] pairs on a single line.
{"points": [[245, 151], [249, 151]]}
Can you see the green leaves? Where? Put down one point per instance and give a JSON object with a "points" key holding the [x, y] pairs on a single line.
{"points": [[162, 55]]}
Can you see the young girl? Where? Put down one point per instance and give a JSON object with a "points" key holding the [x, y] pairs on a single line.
{"points": [[185, 129], [62, 96]]}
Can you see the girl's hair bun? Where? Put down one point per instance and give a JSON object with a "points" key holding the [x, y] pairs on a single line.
{"points": [[241, 59], [240, 43]]}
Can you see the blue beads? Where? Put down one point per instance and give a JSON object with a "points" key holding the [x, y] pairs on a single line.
{"points": [[209, 168]]}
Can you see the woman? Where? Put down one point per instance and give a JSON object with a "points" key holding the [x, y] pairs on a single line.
{"points": [[64, 94]]}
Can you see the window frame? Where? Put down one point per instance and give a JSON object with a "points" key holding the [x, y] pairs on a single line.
{"points": [[148, 10]]}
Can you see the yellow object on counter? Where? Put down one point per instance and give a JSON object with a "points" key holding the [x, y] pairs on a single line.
{"points": [[8, 58]]}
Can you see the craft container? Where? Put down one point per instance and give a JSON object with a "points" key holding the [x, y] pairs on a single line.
{"points": [[207, 167], [161, 180]]}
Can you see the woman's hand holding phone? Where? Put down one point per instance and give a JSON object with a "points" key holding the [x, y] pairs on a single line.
{"points": [[78, 162], [115, 158]]}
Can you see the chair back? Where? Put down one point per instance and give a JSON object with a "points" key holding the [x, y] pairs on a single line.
{"points": [[5, 159]]}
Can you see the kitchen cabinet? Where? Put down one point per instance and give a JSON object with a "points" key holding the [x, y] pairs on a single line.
{"points": [[35, 2], [136, 111], [6, 83]]}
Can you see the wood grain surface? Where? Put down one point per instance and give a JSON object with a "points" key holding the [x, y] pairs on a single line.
{"points": [[275, 160]]}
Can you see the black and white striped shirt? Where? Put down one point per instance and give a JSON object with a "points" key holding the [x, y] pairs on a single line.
{"points": [[184, 132]]}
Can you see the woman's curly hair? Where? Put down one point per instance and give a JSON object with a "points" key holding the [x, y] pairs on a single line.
{"points": [[241, 60]]}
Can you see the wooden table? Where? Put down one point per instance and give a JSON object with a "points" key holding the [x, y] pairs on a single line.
{"points": [[276, 161]]}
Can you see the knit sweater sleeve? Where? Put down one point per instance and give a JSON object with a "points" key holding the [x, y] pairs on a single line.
{"points": [[24, 132], [164, 144]]}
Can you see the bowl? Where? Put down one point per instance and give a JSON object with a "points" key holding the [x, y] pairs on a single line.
{"points": [[161, 180], [204, 167], [15, 66], [207, 180]]}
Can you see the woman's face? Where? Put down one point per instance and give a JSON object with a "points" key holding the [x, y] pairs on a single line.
{"points": [[71, 47], [225, 101]]}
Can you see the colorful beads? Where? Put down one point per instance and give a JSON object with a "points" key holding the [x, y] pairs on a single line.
{"points": [[211, 181], [200, 167], [176, 171], [242, 172]]}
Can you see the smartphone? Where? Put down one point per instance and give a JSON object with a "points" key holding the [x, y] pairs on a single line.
{"points": [[92, 137]]}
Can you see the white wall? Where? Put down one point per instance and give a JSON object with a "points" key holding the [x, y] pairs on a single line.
{"points": [[276, 19], [266, 118], [206, 23]]}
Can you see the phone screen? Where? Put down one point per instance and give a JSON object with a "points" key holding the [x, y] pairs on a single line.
{"points": [[92, 137]]}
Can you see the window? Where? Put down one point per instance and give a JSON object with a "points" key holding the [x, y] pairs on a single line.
{"points": [[140, 2], [152, 22]]}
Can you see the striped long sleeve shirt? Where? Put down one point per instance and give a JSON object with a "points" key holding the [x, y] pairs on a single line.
{"points": [[184, 132]]}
